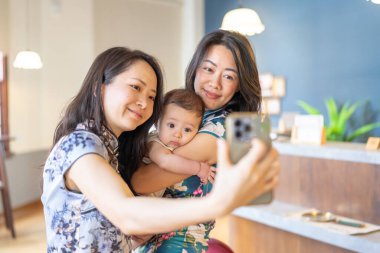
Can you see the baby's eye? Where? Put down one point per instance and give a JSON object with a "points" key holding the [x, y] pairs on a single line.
{"points": [[171, 125], [188, 130], [152, 98]]}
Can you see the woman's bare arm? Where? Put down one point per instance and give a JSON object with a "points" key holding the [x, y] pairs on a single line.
{"points": [[165, 159], [235, 185], [151, 178]]}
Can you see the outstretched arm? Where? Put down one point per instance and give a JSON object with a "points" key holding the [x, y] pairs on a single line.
{"points": [[165, 159], [152, 178], [234, 185]]}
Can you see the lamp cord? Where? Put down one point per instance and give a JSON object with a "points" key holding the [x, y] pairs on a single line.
{"points": [[27, 24]]}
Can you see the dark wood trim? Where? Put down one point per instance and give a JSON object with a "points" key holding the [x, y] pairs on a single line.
{"points": [[4, 104]]}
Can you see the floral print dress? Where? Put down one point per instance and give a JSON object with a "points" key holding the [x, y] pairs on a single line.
{"points": [[73, 224], [191, 239]]}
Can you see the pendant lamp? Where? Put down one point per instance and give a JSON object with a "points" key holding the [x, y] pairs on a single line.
{"points": [[27, 59], [243, 20]]}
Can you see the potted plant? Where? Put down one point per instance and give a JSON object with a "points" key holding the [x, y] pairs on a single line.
{"points": [[336, 130]]}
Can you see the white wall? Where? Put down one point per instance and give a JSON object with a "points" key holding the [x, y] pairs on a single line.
{"points": [[4, 24], [192, 29], [67, 47], [64, 39], [24, 173], [68, 34], [151, 26], [24, 86]]}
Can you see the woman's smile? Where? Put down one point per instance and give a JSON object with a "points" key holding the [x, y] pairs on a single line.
{"points": [[211, 95], [136, 114]]}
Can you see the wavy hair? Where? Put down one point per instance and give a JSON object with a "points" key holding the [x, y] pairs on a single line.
{"points": [[87, 104], [248, 98]]}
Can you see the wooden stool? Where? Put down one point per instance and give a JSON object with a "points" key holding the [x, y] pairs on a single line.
{"points": [[4, 188]]}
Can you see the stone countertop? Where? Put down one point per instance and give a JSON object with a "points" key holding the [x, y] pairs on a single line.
{"points": [[276, 215], [343, 151]]}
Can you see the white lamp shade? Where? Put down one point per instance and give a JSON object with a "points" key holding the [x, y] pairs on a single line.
{"points": [[376, 1], [27, 60], [243, 20]]}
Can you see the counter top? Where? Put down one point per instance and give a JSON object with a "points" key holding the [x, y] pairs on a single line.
{"points": [[343, 151], [276, 215]]}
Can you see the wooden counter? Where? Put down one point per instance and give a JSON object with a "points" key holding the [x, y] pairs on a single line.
{"points": [[338, 177]]}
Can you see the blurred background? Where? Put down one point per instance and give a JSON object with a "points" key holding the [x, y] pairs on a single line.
{"points": [[323, 49]]}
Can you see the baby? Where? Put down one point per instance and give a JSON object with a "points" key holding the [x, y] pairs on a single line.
{"points": [[181, 119]]}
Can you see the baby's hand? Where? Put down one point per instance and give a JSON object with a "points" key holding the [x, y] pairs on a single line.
{"points": [[138, 240], [206, 173]]}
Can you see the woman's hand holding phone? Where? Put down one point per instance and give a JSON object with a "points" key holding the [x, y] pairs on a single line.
{"points": [[253, 175]]}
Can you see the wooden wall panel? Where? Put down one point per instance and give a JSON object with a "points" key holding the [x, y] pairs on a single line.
{"points": [[344, 188], [252, 237]]}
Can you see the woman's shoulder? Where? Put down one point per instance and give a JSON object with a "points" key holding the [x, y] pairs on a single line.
{"points": [[81, 139], [213, 122], [78, 143]]}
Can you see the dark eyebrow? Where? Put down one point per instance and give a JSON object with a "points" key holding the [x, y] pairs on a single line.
{"points": [[141, 81], [213, 63]]}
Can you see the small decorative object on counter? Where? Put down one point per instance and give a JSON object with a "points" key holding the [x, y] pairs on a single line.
{"points": [[373, 143], [308, 129], [318, 216], [338, 116]]}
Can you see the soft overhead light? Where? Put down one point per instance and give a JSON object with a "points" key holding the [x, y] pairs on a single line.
{"points": [[243, 20], [376, 1], [27, 59]]}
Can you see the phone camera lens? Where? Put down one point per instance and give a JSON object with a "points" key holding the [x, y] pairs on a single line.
{"points": [[238, 134], [237, 123], [247, 128]]}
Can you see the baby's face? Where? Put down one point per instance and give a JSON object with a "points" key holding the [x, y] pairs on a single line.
{"points": [[178, 126]]}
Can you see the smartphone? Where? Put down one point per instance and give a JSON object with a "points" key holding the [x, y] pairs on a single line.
{"points": [[241, 128]]}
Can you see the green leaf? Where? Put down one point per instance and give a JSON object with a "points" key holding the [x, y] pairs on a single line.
{"points": [[362, 130], [343, 117], [332, 111], [308, 108]]}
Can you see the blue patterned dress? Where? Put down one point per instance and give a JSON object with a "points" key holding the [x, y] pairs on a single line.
{"points": [[73, 224], [191, 239]]}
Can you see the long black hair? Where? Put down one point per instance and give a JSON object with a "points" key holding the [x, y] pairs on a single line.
{"points": [[88, 105], [248, 98]]}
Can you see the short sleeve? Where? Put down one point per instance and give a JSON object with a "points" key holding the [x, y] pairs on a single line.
{"points": [[76, 145], [214, 128]]}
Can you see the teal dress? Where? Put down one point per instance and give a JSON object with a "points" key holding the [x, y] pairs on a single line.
{"points": [[191, 239]]}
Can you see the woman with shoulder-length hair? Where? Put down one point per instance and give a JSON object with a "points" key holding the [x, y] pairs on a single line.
{"points": [[88, 205]]}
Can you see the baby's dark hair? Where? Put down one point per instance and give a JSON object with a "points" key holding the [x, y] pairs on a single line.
{"points": [[185, 99]]}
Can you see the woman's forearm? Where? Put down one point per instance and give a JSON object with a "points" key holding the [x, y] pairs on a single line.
{"points": [[177, 164], [234, 186], [151, 178], [166, 214]]}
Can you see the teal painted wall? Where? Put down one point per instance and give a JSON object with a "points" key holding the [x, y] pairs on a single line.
{"points": [[323, 48]]}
